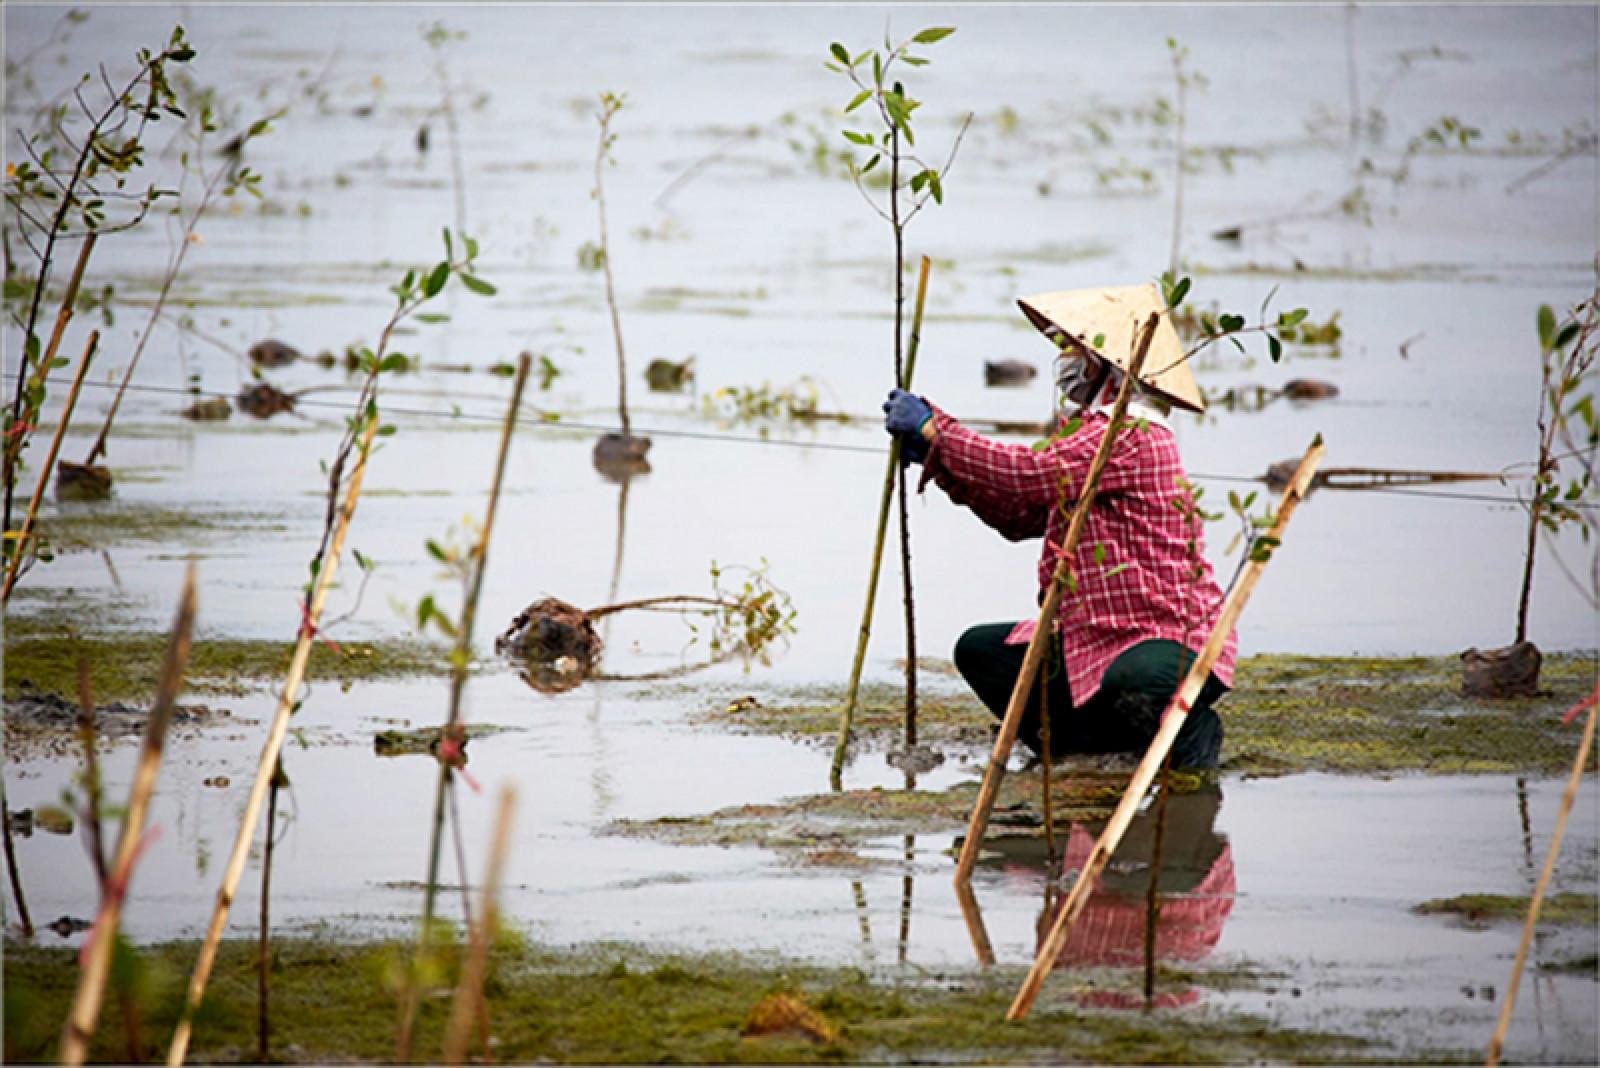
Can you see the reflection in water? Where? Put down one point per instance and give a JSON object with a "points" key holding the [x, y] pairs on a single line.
{"points": [[1196, 883], [863, 920]]}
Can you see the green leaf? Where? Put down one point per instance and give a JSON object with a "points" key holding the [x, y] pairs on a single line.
{"points": [[1292, 318], [436, 551], [914, 61], [1274, 348], [432, 317], [1179, 291], [386, 430], [1230, 323], [436, 279], [448, 250], [857, 138], [477, 285], [1099, 553], [838, 52], [936, 186], [857, 100], [1098, 342], [1568, 332], [395, 361], [871, 163], [934, 34]]}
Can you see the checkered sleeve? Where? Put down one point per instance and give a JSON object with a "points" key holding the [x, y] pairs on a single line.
{"points": [[1013, 487]]}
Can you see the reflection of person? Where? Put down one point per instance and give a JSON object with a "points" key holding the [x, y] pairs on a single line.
{"points": [[1144, 595]]}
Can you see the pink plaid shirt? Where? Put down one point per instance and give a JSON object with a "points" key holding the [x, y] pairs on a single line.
{"points": [[1142, 586]]}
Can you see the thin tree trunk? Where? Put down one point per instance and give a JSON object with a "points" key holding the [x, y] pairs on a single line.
{"points": [[902, 381], [264, 981], [1152, 900], [11, 867]]}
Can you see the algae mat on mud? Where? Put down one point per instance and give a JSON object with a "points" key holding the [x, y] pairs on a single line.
{"points": [[621, 1004], [1368, 715]]}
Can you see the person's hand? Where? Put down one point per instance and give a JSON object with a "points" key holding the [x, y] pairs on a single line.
{"points": [[904, 417]]}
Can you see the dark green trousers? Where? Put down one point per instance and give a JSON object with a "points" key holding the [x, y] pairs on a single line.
{"points": [[1122, 716]]}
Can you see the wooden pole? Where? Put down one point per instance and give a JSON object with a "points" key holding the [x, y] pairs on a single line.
{"points": [[469, 995], [1045, 629], [267, 766], [18, 550], [98, 949], [14, 446], [976, 931], [453, 732], [1497, 1040], [847, 715], [1161, 744]]}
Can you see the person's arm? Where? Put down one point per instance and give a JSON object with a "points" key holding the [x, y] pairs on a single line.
{"points": [[1012, 488]]}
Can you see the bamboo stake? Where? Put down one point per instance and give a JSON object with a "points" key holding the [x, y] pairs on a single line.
{"points": [[1161, 744], [97, 951], [18, 550], [453, 729], [976, 931], [847, 716], [469, 995], [14, 446], [1045, 629], [1497, 1041], [267, 766]]}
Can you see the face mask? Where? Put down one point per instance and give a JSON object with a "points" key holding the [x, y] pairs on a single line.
{"points": [[1077, 378]]}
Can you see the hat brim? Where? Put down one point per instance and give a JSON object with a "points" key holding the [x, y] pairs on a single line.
{"points": [[1107, 322]]}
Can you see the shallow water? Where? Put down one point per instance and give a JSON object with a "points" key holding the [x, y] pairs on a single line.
{"points": [[765, 271]]}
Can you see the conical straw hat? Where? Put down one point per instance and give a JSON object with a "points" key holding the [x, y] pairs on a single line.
{"points": [[1114, 317]]}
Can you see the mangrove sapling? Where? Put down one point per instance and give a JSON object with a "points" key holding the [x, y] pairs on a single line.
{"points": [[22, 552], [622, 453], [73, 184], [437, 37], [89, 480], [13, 873], [469, 567], [893, 143], [98, 949], [1185, 80], [362, 427], [470, 1002], [1161, 746], [892, 469], [1567, 352]]}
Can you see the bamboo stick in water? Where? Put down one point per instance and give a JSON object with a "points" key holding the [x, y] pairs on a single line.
{"points": [[1161, 744], [102, 937]]}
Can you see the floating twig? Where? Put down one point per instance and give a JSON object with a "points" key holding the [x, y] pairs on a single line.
{"points": [[1045, 631], [1171, 722], [101, 941], [846, 717]]}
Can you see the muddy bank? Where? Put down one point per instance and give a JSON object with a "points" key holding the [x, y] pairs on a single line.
{"points": [[45, 724], [615, 1003], [1367, 715]]}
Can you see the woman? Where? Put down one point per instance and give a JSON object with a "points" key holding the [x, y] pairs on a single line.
{"points": [[1142, 596]]}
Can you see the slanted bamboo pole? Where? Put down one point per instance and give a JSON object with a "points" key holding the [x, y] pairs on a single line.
{"points": [[469, 994], [1161, 744], [1044, 631], [1497, 1040], [267, 765], [847, 715], [976, 931], [19, 549], [97, 952], [68, 299], [452, 735]]}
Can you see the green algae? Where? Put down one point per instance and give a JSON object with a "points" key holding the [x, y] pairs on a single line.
{"points": [[611, 1003], [1361, 715], [125, 666], [100, 527], [1561, 910]]}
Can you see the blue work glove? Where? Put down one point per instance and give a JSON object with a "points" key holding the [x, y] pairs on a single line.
{"points": [[904, 415]]}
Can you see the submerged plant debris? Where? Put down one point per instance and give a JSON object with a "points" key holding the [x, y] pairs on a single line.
{"points": [[1567, 909], [622, 1004]]}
